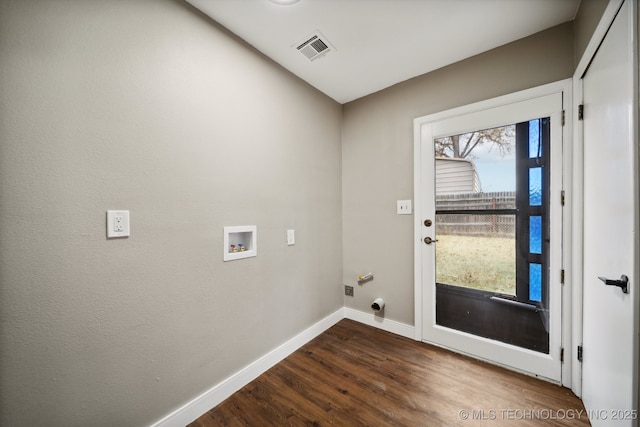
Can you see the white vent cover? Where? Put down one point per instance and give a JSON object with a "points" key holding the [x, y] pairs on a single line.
{"points": [[314, 46]]}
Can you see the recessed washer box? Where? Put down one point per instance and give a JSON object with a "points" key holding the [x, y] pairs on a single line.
{"points": [[240, 242]]}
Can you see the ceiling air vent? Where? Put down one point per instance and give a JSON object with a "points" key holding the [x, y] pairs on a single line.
{"points": [[314, 46]]}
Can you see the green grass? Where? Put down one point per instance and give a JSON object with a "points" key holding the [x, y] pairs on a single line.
{"points": [[486, 263]]}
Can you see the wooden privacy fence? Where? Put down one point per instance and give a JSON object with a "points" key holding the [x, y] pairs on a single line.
{"points": [[476, 224]]}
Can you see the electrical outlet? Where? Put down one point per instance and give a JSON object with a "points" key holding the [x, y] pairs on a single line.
{"points": [[348, 290], [117, 224]]}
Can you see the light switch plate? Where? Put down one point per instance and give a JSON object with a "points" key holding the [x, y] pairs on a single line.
{"points": [[404, 207], [118, 224], [291, 237]]}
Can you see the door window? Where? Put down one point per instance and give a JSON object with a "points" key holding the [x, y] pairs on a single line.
{"points": [[492, 230], [491, 223]]}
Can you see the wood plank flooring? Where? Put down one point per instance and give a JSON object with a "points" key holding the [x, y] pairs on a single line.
{"points": [[356, 375]]}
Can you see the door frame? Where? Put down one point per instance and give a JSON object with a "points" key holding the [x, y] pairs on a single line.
{"points": [[577, 197], [564, 86]]}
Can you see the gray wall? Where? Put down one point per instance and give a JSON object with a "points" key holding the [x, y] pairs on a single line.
{"points": [[149, 106], [377, 156], [585, 23]]}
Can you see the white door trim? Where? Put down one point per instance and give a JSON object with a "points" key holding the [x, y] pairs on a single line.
{"points": [[577, 196], [552, 88]]}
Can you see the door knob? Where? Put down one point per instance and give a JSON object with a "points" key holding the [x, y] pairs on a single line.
{"points": [[623, 283], [428, 240]]}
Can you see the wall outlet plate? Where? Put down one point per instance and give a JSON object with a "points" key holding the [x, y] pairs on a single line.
{"points": [[118, 224]]}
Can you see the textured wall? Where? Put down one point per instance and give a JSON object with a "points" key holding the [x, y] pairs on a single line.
{"points": [[149, 106], [377, 161]]}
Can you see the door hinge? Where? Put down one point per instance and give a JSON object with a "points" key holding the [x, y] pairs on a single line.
{"points": [[562, 276], [579, 355], [562, 117], [581, 112], [562, 355], [562, 198]]}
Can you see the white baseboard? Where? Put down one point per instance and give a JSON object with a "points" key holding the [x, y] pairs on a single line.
{"points": [[379, 322], [214, 396], [192, 410]]}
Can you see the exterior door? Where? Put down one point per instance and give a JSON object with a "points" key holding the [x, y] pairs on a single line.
{"points": [[510, 290], [610, 233]]}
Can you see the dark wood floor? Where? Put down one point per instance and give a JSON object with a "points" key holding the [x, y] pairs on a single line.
{"points": [[357, 375]]}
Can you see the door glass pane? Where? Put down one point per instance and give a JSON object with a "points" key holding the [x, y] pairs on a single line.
{"points": [[476, 172], [489, 226], [535, 234], [535, 282], [535, 186], [535, 143]]}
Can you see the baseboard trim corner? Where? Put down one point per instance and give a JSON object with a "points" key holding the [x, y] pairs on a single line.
{"points": [[380, 322], [192, 410]]}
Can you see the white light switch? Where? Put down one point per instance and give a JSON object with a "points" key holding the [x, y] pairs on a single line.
{"points": [[118, 224], [404, 207], [291, 237]]}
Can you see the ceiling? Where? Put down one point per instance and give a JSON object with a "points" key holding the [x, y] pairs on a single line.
{"points": [[374, 44]]}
